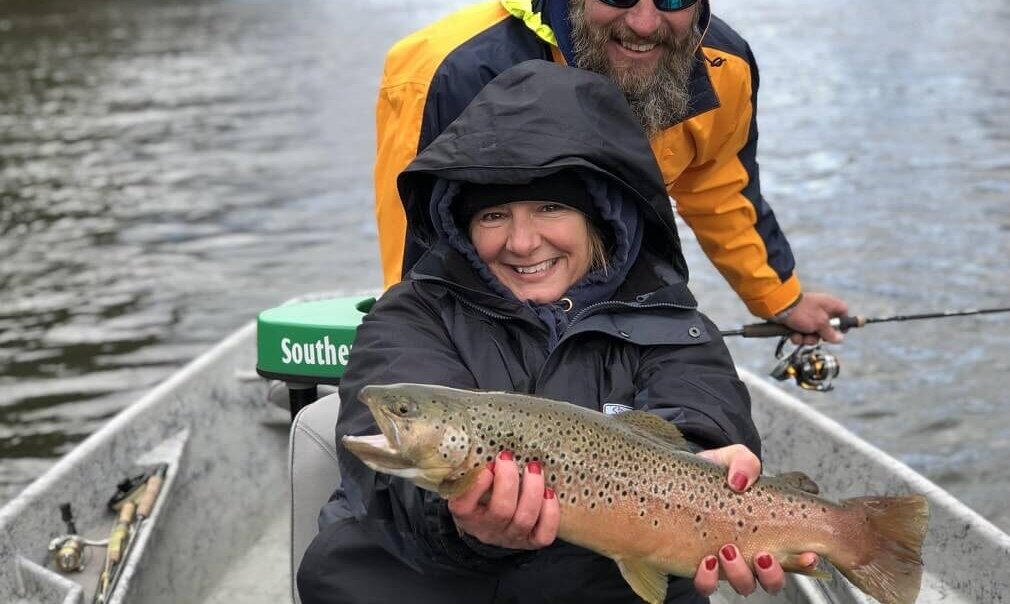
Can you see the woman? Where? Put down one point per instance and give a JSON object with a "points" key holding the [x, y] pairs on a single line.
{"points": [[554, 268]]}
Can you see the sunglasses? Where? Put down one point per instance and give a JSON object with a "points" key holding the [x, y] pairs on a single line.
{"points": [[667, 6]]}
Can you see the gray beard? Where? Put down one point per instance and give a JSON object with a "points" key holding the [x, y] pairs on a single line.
{"points": [[658, 98]]}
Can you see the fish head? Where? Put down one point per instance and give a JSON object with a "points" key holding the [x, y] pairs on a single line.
{"points": [[424, 434]]}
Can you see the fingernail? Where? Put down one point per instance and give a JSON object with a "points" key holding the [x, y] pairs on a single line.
{"points": [[764, 561], [533, 467], [710, 563], [548, 493], [490, 466], [729, 552], [506, 455], [738, 482]]}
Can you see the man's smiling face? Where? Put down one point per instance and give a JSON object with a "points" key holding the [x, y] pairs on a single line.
{"points": [[649, 54]]}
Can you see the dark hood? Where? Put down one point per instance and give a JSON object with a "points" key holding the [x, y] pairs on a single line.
{"points": [[532, 120]]}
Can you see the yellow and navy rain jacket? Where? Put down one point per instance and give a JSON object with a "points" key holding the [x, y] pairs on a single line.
{"points": [[708, 160]]}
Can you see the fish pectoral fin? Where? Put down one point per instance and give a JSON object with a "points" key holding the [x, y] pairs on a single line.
{"points": [[646, 581], [653, 426], [454, 488]]}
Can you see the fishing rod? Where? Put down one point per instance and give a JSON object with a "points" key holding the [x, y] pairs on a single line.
{"points": [[812, 367], [845, 323]]}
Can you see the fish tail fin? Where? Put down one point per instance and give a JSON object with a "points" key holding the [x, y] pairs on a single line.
{"points": [[890, 568]]}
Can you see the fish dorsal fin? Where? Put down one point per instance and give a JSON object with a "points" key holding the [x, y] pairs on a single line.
{"points": [[653, 426], [794, 480], [646, 581]]}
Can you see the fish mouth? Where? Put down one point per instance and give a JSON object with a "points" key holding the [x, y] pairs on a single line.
{"points": [[381, 452], [377, 453]]}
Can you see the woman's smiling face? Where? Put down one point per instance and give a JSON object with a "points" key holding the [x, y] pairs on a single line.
{"points": [[537, 249]]}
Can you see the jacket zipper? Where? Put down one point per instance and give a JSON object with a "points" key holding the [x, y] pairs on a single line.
{"points": [[479, 308], [609, 303], [594, 307]]}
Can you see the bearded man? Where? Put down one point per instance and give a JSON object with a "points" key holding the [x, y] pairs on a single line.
{"points": [[691, 80]]}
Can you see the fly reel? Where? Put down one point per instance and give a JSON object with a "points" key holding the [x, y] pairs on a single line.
{"points": [[812, 367]]}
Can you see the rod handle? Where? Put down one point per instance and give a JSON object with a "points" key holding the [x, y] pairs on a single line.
{"points": [[120, 532], [150, 495], [765, 330], [774, 330]]}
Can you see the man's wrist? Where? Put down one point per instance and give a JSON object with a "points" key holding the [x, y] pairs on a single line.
{"points": [[783, 314]]}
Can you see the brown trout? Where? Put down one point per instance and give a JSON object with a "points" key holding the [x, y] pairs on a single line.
{"points": [[630, 490]]}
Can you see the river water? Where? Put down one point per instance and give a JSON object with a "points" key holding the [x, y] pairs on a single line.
{"points": [[169, 168]]}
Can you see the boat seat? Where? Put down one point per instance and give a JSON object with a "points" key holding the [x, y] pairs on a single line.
{"points": [[312, 457]]}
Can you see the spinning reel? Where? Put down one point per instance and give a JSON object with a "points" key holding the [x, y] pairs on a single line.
{"points": [[812, 367]]}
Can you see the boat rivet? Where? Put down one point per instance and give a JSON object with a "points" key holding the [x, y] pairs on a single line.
{"points": [[694, 332]]}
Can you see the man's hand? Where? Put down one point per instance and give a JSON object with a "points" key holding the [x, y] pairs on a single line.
{"points": [[744, 468], [509, 510], [810, 319]]}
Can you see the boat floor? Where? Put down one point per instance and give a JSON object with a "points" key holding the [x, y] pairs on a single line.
{"points": [[262, 575]]}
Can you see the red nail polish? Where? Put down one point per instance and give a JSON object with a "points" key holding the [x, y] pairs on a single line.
{"points": [[729, 552], [738, 482], [764, 561], [506, 455], [548, 493], [490, 466], [533, 467], [710, 563]]}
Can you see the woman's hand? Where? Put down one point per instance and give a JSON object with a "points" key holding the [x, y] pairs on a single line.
{"points": [[744, 468], [507, 509]]}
